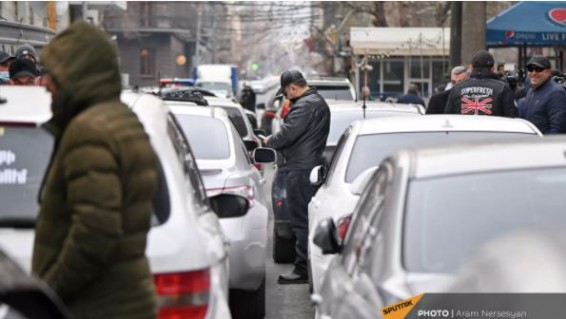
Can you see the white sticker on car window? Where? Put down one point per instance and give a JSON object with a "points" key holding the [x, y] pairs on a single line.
{"points": [[7, 157], [13, 176]]}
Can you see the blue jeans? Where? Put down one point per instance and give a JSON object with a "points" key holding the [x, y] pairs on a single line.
{"points": [[299, 193]]}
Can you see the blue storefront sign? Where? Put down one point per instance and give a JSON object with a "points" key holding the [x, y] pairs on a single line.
{"points": [[532, 23]]}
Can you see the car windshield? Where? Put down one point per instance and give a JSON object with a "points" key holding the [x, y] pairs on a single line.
{"points": [[335, 92], [449, 218], [24, 155], [370, 150], [339, 121], [204, 132]]}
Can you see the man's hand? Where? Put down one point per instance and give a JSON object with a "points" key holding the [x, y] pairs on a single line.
{"points": [[264, 139]]}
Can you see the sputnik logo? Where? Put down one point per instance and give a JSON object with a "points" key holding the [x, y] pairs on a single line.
{"points": [[476, 105]]}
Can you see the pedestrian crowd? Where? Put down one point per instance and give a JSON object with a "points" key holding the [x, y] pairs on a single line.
{"points": [[482, 88]]}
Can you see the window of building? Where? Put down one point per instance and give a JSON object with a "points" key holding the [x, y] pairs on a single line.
{"points": [[147, 58]]}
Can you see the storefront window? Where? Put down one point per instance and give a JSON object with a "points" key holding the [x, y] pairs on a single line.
{"points": [[393, 76]]}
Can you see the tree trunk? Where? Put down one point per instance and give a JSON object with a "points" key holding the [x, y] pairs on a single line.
{"points": [[379, 14], [473, 29]]}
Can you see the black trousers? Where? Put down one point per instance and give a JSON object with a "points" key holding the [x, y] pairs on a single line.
{"points": [[299, 193]]}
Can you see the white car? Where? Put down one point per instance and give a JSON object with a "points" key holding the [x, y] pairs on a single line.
{"points": [[366, 143], [427, 211], [227, 169], [185, 241]]}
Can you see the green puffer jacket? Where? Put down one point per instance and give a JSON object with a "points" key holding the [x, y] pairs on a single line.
{"points": [[96, 200]]}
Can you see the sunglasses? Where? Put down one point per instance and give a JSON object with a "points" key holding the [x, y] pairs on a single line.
{"points": [[535, 69]]}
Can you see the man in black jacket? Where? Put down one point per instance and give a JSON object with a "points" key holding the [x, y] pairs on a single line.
{"points": [[545, 104], [438, 101], [301, 140], [484, 93]]}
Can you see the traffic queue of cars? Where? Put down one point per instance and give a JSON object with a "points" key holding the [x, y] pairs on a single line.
{"points": [[192, 253]]}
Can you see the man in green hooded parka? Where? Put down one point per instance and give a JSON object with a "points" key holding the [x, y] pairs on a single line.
{"points": [[96, 197]]}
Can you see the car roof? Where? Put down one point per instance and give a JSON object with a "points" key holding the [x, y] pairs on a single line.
{"points": [[220, 101], [19, 108], [440, 122], [346, 106], [198, 110], [481, 156]]}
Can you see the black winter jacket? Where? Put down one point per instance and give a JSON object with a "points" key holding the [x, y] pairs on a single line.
{"points": [[482, 94], [545, 107], [303, 135]]}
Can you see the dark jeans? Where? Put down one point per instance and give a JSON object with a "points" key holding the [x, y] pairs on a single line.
{"points": [[299, 193]]}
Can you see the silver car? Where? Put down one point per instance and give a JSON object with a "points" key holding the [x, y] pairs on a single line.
{"points": [[426, 211], [227, 169]]}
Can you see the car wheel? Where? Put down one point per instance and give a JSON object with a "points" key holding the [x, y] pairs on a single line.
{"points": [[248, 304], [283, 249]]}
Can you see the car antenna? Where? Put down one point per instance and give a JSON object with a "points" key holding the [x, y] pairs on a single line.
{"points": [[159, 82]]}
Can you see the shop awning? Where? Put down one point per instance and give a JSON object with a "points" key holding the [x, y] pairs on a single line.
{"points": [[400, 41], [534, 23]]}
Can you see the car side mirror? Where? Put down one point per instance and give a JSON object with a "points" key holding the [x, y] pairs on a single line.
{"points": [[260, 106], [264, 155], [229, 205], [251, 145], [326, 237], [259, 132], [361, 181], [318, 175]]}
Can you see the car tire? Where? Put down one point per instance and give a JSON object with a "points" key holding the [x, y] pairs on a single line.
{"points": [[283, 249], [248, 304]]}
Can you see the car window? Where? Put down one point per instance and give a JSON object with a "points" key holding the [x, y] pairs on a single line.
{"points": [[161, 199], [24, 156], [369, 205], [186, 157], [237, 119], [204, 132], [448, 218], [336, 155], [334, 92], [370, 150]]}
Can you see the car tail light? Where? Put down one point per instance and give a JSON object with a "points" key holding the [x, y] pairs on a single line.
{"points": [[183, 295], [258, 166], [246, 191], [269, 115], [343, 224]]}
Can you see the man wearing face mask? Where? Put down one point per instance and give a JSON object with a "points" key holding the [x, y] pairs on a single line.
{"points": [[301, 140], [5, 61]]}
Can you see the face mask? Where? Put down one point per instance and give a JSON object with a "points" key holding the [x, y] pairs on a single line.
{"points": [[4, 75]]}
